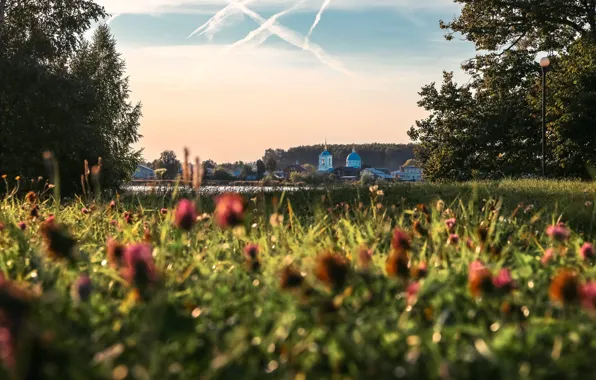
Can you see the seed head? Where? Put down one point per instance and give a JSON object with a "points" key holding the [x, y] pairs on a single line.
{"points": [[365, 257], [450, 224], [31, 197], [81, 289], [558, 232], [587, 251], [419, 272], [139, 268], [419, 229], [22, 226], [453, 239], [34, 212], [251, 254], [163, 211]]}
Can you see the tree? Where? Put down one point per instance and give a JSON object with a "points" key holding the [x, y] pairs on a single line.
{"points": [[271, 165], [261, 168], [168, 160], [50, 99], [490, 127], [246, 172]]}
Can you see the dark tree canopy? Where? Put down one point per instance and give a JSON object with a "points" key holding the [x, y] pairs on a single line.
{"points": [[389, 156], [63, 94], [168, 160], [490, 127]]}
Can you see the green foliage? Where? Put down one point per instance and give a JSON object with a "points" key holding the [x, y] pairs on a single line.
{"points": [[168, 161], [160, 173], [212, 316], [271, 165], [367, 178], [222, 174], [261, 169], [374, 155], [62, 94], [490, 127]]}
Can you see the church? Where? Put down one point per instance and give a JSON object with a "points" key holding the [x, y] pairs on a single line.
{"points": [[353, 160]]}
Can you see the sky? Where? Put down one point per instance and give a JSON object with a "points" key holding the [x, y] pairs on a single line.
{"points": [[251, 79]]}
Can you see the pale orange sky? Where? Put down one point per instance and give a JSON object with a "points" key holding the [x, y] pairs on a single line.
{"points": [[230, 111]]}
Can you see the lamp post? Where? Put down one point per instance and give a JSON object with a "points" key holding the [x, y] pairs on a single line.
{"points": [[544, 64]]}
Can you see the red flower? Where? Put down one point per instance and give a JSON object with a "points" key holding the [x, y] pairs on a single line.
{"points": [[412, 292], [59, 244], [112, 205], [558, 232], [229, 210], [186, 215], [586, 251], [163, 211], [564, 288], [332, 269], [450, 223], [81, 289], [548, 256], [503, 280], [127, 217], [419, 272], [397, 264], [453, 239], [400, 241], [115, 253], [251, 253], [139, 268], [85, 211], [22, 226], [479, 279], [365, 257], [588, 295]]}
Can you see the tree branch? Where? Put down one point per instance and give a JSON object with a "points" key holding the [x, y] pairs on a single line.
{"points": [[513, 44], [2, 10]]}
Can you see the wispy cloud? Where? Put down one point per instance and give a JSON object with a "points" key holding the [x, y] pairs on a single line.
{"points": [[215, 21], [326, 3]]}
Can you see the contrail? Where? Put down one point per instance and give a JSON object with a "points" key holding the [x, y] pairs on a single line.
{"points": [[317, 19], [294, 38], [109, 20], [216, 19]]}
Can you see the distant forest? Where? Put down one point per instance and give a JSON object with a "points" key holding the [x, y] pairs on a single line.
{"points": [[389, 156]]}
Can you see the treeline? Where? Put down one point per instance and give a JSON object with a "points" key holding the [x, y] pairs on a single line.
{"points": [[389, 156]]}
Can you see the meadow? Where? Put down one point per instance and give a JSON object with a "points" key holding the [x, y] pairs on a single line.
{"points": [[412, 281]]}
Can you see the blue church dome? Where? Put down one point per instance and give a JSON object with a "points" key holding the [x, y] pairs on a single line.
{"points": [[354, 157], [326, 153]]}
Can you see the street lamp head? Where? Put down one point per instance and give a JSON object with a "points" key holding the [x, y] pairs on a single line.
{"points": [[545, 62]]}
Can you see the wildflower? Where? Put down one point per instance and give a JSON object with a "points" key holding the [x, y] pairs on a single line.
{"points": [[85, 211], [112, 205], [450, 224], [34, 212], [419, 229], [115, 253], [291, 278], [229, 210], [364, 257], [31, 197], [380, 193], [373, 188], [503, 280], [186, 215], [564, 288], [586, 251], [22, 226], [440, 205], [14, 306], [479, 279], [548, 256], [251, 253], [418, 272], [276, 220], [423, 209], [470, 244], [397, 264], [412, 292], [588, 204], [50, 218], [558, 232], [18, 178], [482, 234], [59, 244], [81, 289], [4, 176], [139, 268], [114, 222], [453, 239], [163, 211], [332, 269], [147, 235], [127, 217], [400, 241], [588, 295]]}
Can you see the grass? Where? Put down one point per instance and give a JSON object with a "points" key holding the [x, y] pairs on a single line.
{"points": [[360, 306]]}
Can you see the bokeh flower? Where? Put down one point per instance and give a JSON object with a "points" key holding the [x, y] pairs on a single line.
{"points": [[364, 257], [547, 257], [586, 251], [332, 269], [251, 254], [139, 268], [450, 224], [115, 253], [22, 226], [81, 289], [397, 264], [565, 287], [31, 197], [229, 210], [479, 279], [276, 219], [453, 239], [58, 242], [186, 215], [85, 211], [558, 232], [163, 211], [503, 280], [291, 277], [419, 271], [112, 205], [412, 292], [419, 229], [400, 241]]}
